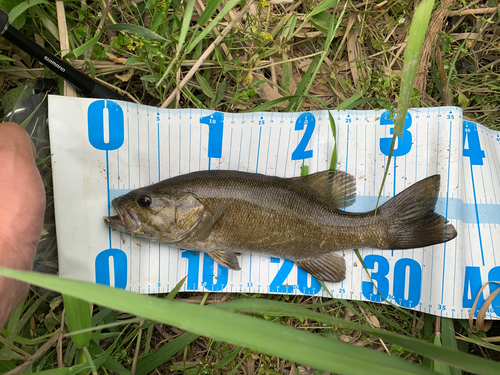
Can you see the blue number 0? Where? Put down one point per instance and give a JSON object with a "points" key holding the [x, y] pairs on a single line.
{"points": [[308, 121], [96, 125], [404, 140], [103, 271]]}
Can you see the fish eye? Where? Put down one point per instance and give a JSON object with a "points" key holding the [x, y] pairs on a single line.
{"points": [[144, 201]]}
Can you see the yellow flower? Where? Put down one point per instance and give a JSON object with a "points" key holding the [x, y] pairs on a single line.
{"points": [[268, 37], [140, 44], [131, 47], [248, 79], [264, 4], [162, 4]]}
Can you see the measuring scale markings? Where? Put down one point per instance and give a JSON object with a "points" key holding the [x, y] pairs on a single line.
{"points": [[403, 278]]}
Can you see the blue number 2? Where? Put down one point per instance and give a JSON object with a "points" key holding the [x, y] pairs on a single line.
{"points": [[215, 123], [474, 151], [404, 140], [308, 121]]}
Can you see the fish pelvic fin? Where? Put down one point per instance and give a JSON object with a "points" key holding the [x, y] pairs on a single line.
{"points": [[225, 258], [410, 218], [337, 186], [329, 267]]}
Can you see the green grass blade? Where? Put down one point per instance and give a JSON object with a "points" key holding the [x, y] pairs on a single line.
{"points": [[210, 8], [271, 104], [78, 318], [448, 339], [160, 356], [451, 357], [416, 37], [334, 25], [333, 163], [186, 21], [176, 289], [205, 86], [322, 7], [229, 6], [109, 362], [22, 7], [84, 47], [135, 29], [257, 334]]}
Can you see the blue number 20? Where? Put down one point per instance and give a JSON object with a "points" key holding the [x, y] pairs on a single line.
{"points": [[308, 121], [96, 125]]}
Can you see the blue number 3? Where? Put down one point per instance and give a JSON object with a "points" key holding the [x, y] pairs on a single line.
{"points": [[404, 140], [96, 125]]}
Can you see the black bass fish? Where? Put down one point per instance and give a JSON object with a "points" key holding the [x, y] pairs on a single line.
{"points": [[224, 213]]}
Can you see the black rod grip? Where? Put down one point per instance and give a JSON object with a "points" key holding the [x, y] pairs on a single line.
{"points": [[80, 81]]}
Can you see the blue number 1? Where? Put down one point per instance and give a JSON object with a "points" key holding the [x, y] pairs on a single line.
{"points": [[215, 124], [308, 121]]}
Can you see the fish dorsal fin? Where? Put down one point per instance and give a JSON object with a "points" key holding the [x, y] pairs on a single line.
{"points": [[225, 258], [329, 267], [337, 186], [208, 221]]}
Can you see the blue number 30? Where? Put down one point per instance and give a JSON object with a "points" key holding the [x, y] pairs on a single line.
{"points": [[96, 125]]}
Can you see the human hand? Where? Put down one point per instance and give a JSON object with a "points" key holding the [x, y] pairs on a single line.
{"points": [[22, 207]]}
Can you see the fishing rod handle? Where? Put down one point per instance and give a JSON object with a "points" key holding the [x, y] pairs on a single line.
{"points": [[80, 81]]}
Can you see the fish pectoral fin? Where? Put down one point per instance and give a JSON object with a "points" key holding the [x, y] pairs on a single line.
{"points": [[225, 258], [208, 221], [329, 267], [337, 186]]}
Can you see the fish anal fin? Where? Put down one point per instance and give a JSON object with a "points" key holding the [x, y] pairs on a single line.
{"points": [[208, 221], [225, 258], [329, 267], [337, 186]]}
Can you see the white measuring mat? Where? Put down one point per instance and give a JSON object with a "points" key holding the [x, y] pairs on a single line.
{"points": [[103, 149]]}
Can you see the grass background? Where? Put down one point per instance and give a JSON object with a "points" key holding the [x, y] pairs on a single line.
{"points": [[278, 55]]}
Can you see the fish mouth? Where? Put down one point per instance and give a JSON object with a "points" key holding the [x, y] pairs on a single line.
{"points": [[125, 220]]}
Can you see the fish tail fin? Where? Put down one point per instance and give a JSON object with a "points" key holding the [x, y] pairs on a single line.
{"points": [[413, 220]]}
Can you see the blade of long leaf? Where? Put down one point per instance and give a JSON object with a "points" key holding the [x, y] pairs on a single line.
{"points": [[84, 47], [22, 7], [230, 5], [452, 357], [166, 351], [135, 29], [209, 11], [186, 21], [78, 317], [257, 334], [416, 37]]}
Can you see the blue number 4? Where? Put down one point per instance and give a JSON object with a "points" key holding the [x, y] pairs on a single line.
{"points": [[473, 151]]}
